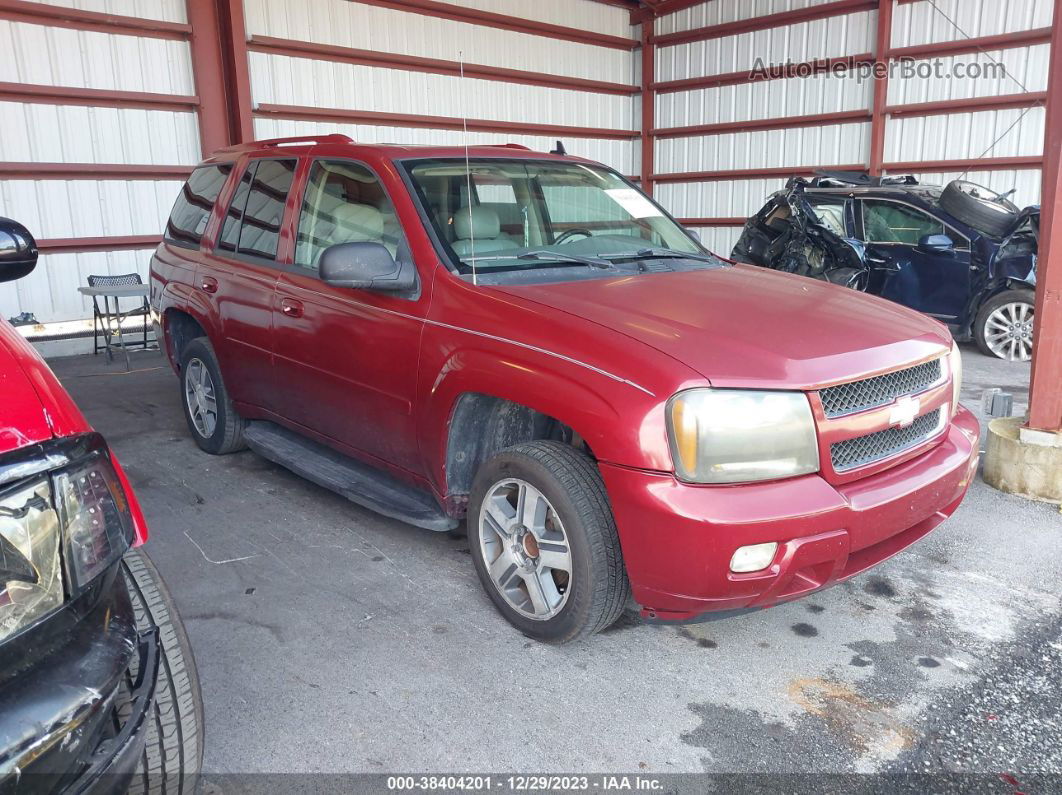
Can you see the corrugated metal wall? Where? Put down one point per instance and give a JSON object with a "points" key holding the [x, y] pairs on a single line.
{"points": [[1013, 132]]}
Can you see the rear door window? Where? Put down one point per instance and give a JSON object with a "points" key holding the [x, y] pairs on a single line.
{"points": [[256, 212], [193, 207]]}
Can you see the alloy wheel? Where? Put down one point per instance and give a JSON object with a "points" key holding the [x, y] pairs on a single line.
{"points": [[201, 398], [1009, 332], [525, 549]]}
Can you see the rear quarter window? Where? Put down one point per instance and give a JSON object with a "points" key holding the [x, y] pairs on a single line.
{"points": [[191, 211]]}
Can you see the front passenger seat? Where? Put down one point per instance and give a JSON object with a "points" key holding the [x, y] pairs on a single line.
{"points": [[482, 224]]}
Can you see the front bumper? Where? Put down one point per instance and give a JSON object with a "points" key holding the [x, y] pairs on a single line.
{"points": [[677, 539], [62, 728]]}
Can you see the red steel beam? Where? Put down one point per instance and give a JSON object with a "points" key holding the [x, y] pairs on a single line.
{"points": [[122, 171], [208, 69], [475, 16], [777, 172], [661, 8], [973, 164], [413, 63], [1002, 41], [69, 245], [95, 97], [879, 118], [60, 17], [756, 125], [1045, 391], [817, 66], [237, 76], [266, 110], [781, 19], [972, 105], [648, 125]]}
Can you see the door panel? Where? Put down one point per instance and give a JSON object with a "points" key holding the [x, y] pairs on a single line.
{"points": [[934, 283], [346, 360]]}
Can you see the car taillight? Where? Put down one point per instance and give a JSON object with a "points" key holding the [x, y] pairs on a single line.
{"points": [[97, 523]]}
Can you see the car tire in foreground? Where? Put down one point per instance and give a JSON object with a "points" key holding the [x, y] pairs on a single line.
{"points": [[214, 423], [980, 207], [544, 542], [173, 750], [1004, 325]]}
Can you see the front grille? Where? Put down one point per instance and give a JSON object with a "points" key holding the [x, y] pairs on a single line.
{"points": [[863, 450], [879, 390]]}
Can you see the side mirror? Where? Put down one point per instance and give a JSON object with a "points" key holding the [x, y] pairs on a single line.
{"points": [[365, 266], [18, 250], [936, 244]]}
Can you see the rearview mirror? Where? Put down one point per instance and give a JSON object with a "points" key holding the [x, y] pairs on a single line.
{"points": [[18, 250], [365, 266], [936, 244]]}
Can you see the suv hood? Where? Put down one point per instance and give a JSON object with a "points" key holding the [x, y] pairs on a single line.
{"points": [[753, 327], [23, 420]]}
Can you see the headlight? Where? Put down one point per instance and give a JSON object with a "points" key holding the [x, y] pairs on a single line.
{"points": [[97, 525], [955, 369], [31, 580], [736, 435]]}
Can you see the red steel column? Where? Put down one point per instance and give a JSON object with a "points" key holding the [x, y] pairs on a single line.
{"points": [[1045, 396], [234, 46], [878, 117], [648, 104]]}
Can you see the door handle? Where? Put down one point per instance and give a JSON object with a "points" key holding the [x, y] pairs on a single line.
{"points": [[290, 307], [209, 284]]}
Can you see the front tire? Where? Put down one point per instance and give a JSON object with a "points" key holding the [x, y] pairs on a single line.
{"points": [[208, 409], [544, 542], [1004, 325], [173, 750]]}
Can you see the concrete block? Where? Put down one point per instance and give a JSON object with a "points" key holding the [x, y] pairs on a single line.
{"points": [[1016, 466]]}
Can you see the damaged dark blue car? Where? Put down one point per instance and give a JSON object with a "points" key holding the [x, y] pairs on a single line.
{"points": [[962, 253]]}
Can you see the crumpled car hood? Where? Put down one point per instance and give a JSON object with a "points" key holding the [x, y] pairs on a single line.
{"points": [[753, 327]]}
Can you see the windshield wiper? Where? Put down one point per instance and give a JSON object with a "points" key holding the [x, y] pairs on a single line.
{"points": [[662, 253], [593, 262]]}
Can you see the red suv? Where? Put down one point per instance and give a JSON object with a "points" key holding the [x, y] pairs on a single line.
{"points": [[529, 342]]}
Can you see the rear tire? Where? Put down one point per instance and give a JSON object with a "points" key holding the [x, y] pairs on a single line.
{"points": [[208, 409], [1004, 325], [173, 751], [571, 525]]}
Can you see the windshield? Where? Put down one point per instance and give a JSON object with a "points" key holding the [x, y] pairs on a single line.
{"points": [[523, 214]]}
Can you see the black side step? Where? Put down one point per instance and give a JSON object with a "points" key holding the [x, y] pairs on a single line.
{"points": [[358, 482]]}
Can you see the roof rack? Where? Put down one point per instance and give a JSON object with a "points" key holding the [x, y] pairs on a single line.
{"points": [[331, 138]]}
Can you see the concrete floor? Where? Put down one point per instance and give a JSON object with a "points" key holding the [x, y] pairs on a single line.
{"points": [[331, 639]]}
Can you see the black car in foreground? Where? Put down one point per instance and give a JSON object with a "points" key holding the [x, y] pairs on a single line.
{"points": [[962, 254]]}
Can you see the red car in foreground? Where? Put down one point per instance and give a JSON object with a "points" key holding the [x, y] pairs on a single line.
{"points": [[98, 691], [528, 342]]}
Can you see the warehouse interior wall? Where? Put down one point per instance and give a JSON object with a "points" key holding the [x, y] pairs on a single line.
{"points": [[106, 104]]}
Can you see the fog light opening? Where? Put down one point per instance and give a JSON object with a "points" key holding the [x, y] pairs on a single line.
{"points": [[755, 557]]}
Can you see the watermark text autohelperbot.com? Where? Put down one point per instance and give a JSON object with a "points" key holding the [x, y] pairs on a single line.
{"points": [[902, 69]]}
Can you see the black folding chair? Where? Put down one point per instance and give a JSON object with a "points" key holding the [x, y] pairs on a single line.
{"points": [[108, 323]]}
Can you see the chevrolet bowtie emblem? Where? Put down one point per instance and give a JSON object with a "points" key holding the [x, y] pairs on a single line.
{"points": [[904, 411]]}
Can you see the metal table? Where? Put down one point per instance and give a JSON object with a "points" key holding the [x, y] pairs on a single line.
{"points": [[112, 317]]}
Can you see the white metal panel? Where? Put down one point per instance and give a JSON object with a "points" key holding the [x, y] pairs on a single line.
{"points": [[718, 239], [838, 144], [729, 199], [947, 20], [579, 14], [939, 79], [349, 24], [54, 56], [765, 99], [50, 291], [718, 12], [960, 136], [74, 134], [620, 155], [1026, 183], [850, 34], [302, 81], [166, 10], [89, 208]]}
